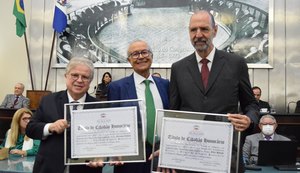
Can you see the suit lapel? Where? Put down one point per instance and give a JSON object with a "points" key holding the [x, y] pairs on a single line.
{"points": [[130, 88], [216, 68], [192, 66], [60, 104], [162, 92]]}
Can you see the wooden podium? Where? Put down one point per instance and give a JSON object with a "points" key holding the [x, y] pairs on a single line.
{"points": [[35, 97]]}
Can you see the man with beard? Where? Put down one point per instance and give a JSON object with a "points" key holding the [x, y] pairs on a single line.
{"points": [[213, 81]]}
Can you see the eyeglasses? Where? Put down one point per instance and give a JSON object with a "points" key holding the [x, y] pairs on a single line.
{"points": [[26, 119], [267, 124], [75, 76], [136, 54]]}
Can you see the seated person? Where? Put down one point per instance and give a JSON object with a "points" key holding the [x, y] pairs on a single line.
{"points": [[263, 106], [16, 140], [16, 100], [101, 91], [267, 125], [297, 109], [156, 74]]}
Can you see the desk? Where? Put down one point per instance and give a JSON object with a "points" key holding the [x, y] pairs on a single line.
{"points": [[269, 169], [289, 126], [17, 164]]}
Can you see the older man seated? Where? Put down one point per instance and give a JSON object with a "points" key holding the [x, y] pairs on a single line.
{"points": [[267, 125]]}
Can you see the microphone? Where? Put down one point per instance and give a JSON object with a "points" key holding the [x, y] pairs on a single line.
{"points": [[288, 106]]}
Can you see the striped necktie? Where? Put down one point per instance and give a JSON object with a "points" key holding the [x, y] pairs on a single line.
{"points": [[15, 101]]}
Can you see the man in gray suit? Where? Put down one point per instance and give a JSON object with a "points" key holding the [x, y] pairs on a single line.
{"points": [[16, 100], [228, 84], [267, 125]]}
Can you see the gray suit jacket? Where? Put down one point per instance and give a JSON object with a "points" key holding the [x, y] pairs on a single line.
{"points": [[9, 99], [250, 148]]}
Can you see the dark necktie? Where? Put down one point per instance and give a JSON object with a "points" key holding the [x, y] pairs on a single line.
{"points": [[150, 110], [74, 106], [15, 102], [204, 72], [268, 138]]}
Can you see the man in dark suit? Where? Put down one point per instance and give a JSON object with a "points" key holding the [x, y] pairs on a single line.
{"points": [[16, 100], [132, 87], [48, 123], [263, 106], [228, 84]]}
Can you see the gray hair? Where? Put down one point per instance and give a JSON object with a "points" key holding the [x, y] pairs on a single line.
{"points": [[267, 116], [138, 40], [80, 61], [22, 85]]}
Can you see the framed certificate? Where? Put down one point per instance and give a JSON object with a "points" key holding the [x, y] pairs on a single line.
{"points": [[193, 141], [104, 131]]}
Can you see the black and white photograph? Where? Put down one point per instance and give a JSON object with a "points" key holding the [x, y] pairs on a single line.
{"points": [[100, 30]]}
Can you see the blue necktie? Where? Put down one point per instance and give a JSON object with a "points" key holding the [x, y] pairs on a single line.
{"points": [[150, 110]]}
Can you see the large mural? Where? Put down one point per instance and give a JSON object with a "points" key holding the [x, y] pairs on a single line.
{"points": [[102, 30]]}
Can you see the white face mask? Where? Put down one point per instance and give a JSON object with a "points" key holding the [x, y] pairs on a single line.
{"points": [[268, 129]]}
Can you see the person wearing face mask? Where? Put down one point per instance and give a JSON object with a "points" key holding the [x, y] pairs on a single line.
{"points": [[267, 125]]}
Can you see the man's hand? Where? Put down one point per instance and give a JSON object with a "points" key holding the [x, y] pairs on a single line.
{"points": [[97, 162], [58, 126], [162, 170], [240, 122]]}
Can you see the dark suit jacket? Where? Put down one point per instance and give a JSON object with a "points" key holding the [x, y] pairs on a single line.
{"points": [[124, 89], [263, 104], [50, 157], [228, 84]]}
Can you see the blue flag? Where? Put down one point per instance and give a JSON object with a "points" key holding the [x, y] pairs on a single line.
{"points": [[60, 17]]}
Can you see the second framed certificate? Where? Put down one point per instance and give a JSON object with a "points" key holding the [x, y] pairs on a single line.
{"points": [[193, 141]]}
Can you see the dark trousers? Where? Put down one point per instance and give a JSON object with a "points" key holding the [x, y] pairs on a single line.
{"points": [[84, 169], [140, 167]]}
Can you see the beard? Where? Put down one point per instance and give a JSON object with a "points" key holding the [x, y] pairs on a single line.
{"points": [[201, 45]]}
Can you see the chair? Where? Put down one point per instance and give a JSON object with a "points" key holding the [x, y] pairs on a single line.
{"points": [[297, 109]]}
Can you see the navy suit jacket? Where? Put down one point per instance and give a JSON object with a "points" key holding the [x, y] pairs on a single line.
{"points": [[124, 89], [50, 157]]}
